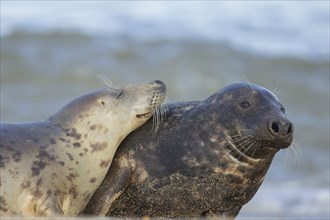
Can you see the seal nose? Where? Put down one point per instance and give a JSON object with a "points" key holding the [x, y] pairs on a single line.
{"points": [[281, 128], [160, 84]]}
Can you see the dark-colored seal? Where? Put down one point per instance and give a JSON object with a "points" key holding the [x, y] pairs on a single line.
{"points": [[53, 167], [208, 158]]}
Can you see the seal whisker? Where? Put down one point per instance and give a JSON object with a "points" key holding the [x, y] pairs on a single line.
{"points": [[293, 154], [158, 116], [239, 136], [245, 144], [165, 106], [246, 132], [233, 149], [156, 119], [105, 79], [250, 146], [239, 139], [242, 141], [234, 152], [297, 146], [246, 135], [249, 83], [239, 144], [276, 92], [255, 148]]}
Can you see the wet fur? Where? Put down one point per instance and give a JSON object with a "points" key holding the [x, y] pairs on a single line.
{"points": [[208, 158]]}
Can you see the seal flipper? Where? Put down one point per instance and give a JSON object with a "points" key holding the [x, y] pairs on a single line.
{"points": [[231, 214], [111, 188]]}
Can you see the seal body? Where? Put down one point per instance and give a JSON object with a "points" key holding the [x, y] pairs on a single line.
{"points": [[208, 158], [53, 167]]}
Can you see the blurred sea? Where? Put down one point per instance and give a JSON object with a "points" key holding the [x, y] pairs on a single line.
{"points": [[51, 52]]}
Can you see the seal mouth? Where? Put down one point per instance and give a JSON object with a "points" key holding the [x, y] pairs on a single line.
{"points": [[144, 115], [284, 144], [245, 146]]}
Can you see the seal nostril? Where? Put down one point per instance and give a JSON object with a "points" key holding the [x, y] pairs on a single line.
{"points": [[158, 82], [290, 129], [275, 127]]}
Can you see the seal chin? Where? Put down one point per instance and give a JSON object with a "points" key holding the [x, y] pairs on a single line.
{"points": [[284, 144], [271, 148]]}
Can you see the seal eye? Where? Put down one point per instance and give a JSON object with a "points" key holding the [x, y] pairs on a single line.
{"points": [[283, 110], [119, 94], [245, 104], [100, 101]]}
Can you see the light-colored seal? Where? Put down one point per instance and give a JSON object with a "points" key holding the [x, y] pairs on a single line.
{"points": [[208, 158], [53, 167]]}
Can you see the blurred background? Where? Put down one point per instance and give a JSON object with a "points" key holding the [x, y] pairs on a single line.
{"points": [[51, 52]]}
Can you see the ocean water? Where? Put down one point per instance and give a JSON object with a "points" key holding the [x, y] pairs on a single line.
{"points": [[52, 51]]}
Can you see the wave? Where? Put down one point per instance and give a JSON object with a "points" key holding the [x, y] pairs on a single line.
{"points": [[273, 28]]}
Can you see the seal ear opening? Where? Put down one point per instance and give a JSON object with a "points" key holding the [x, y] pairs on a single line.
{"points": [[102, 102]]}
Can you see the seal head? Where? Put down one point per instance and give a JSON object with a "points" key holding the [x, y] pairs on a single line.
{"points": [[254, 121]]}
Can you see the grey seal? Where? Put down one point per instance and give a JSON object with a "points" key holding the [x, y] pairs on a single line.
{"points": [[53, 167], [208, 158]]}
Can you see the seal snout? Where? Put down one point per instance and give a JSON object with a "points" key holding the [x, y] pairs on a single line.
{"points": [[159, 82], [281, 129], [159, 93], [161, 86]]}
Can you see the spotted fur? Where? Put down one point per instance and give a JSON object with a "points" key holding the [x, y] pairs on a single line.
{"points": [[53, 167]]}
